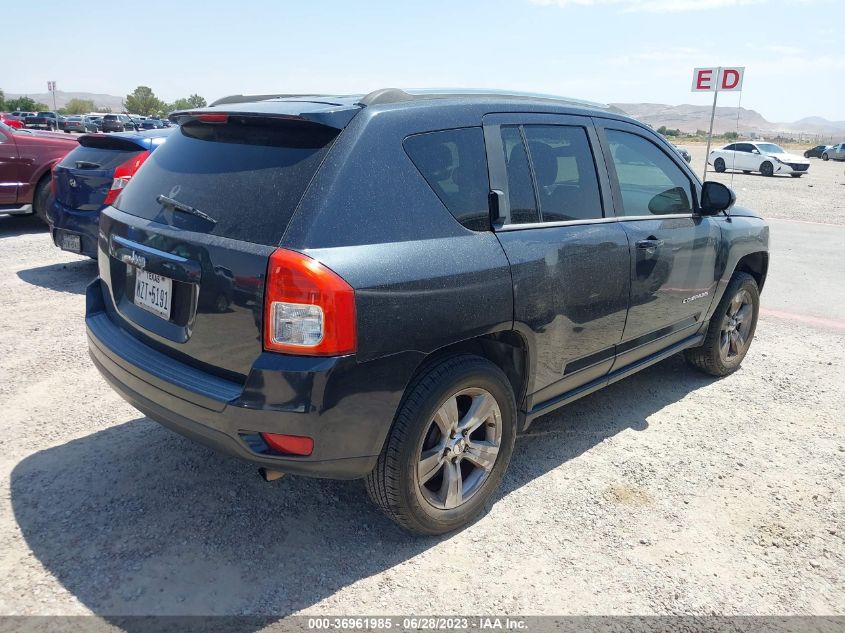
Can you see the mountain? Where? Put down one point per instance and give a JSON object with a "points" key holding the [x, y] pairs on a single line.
{"points": [[689, 118], [101, 101]]}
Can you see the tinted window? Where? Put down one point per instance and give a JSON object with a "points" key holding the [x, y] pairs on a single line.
{"points": [[96, 158], [730, 148], [247, 175], [567, 184], [523, 205], [745, 147], [650, 181], [454, 165]]}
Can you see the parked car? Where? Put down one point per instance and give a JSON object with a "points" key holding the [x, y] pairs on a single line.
{"points": [[408, 314], [90, 178], [118, 123], [683, 152], [152, 124], [767, 158], [22, 115], [43, 120], [77, 123], [97, 122], [26, 157], [816, 152], [837, 152], [11, 121]]}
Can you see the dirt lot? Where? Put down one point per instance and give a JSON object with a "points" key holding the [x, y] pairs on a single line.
{"points": [[667, 493]]}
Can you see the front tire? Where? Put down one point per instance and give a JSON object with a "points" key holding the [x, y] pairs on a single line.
{"points": [[767, 169], [731, 329], [796, 175], [825, 157], [449, 446], [719, 165]]}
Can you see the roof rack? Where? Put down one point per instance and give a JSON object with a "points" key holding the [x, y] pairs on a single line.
{"points": [[395, 95], [250, 98]]}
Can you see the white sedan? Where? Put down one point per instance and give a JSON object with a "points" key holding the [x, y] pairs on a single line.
{"points": [[767, 158]]}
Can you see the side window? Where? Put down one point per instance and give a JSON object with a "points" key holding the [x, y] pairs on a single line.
{"points": [[523, 205], [744, 147], [454, 165], [730, 148], [564, 171], [651, 183]]}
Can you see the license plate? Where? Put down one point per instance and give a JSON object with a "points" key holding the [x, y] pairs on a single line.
{"points": [[153, 293], [71, 242]]}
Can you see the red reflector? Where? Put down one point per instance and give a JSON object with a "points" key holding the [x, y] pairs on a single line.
{"points": [[212, 118], [289, 444]]}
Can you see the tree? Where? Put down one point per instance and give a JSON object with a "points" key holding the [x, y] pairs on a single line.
{"points": [[194, 101], [79, 106], [2, 100], [26, 104], [143, 101]]}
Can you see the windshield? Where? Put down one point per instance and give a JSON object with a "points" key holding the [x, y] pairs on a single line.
{"points": [[45, 114], [770, 148]]}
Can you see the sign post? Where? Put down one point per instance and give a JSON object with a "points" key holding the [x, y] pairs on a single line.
{"points": [[716, 80], [51, 87]]}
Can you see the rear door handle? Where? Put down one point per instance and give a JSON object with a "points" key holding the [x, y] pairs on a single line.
{"points": [[650, 243]]}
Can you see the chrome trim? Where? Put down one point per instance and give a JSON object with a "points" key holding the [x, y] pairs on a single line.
{"points": [[624, 218]]}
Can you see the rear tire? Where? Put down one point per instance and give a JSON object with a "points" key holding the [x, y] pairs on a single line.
{"points": [[744, 171], [438, 452], [796, 175], [41, 199], [767, 169], [719, 165], [731, 329]]}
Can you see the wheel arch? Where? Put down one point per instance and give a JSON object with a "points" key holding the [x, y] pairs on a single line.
{"points": [[755, 264], [506, 349]]}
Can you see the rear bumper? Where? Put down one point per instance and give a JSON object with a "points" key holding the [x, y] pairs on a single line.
{"points": [[86, 224], [345, 406]]}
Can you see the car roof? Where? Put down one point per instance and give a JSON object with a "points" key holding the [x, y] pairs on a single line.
{"points": [[338, 110]]}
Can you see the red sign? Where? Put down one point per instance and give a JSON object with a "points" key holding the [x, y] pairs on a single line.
{"points": [[717, 79]]}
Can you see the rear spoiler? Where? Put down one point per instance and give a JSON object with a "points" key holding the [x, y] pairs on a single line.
{"points": [[116, 142], [308, 109]]}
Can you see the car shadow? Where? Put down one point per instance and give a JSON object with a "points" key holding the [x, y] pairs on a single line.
{"points": [[14, 225], [71, 277], [135, 520]]}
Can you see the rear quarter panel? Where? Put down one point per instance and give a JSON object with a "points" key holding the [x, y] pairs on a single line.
{"points": [[422, 281]]}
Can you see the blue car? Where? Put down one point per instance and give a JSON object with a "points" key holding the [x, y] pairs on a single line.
{"points": [[89, 179]]}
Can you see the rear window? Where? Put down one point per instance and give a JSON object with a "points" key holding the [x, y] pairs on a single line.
{"points": [[247, 175], [110, 117], [454, 164], [96, 158]]}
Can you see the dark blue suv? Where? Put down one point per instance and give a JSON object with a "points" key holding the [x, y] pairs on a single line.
{"points": [[89, 179], [391, 286]]}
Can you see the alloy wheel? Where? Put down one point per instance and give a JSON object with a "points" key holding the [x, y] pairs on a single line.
{"points": [[734, 336], [460, 448]]}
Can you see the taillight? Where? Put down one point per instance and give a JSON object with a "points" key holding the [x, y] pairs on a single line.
{"points": [[308, 309], [123, 174]]}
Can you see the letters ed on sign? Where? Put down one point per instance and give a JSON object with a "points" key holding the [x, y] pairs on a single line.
{"points": [[718, 79]]}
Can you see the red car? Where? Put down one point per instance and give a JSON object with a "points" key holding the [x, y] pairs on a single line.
{"points": [[11, 121], [26, 159]]}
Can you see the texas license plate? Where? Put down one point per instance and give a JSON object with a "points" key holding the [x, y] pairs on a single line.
{"points": [[153, 292], [70, 242]]}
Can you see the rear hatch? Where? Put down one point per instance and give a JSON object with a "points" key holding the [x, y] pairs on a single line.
{"points": [[184, 251], [83, 178]]}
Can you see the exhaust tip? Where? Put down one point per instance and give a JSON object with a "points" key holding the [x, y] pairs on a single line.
{"points": [[270, 475]]}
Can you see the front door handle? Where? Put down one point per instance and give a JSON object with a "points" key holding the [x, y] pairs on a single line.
{"points": [[650, 243]]}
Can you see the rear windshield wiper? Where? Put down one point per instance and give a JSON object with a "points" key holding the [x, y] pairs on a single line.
{"points": [[186, 208]]}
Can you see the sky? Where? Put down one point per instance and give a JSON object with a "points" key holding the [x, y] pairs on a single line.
{"points": [[599, 50]]}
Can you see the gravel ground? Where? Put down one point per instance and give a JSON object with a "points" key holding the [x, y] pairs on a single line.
{"points": [[667, 493], [817, 196]]}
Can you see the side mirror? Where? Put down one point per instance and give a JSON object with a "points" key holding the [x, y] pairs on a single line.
{"points": [[716, 197]]}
